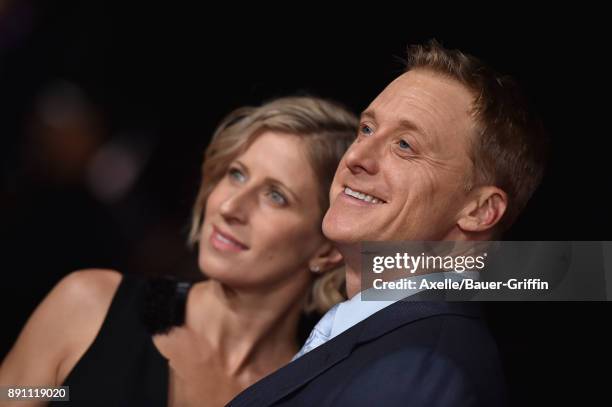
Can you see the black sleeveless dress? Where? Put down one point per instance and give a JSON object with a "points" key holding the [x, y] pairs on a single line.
{"points": [[122, 367]]}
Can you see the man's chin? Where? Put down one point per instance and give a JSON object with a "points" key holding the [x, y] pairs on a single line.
{"points": [[341, 231]]}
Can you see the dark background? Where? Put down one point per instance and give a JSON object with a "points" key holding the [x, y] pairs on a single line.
{"points": [[103, 93]]}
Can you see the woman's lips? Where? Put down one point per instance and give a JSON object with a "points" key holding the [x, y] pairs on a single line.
{"points": [[226, 242]]}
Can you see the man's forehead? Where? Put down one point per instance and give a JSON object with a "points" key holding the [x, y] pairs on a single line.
{"points": [[423, 95], [435, 106]]}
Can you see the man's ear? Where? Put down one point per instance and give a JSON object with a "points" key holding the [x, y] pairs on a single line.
{"points": [[326, 258], [485, 208]]}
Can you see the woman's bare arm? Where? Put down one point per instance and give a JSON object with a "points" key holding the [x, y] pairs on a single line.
{"points": [[60, 330]]}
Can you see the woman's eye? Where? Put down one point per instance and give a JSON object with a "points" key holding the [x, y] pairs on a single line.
{"points": [[277, 197], [403, 144], [366, 130], [236, 174]]}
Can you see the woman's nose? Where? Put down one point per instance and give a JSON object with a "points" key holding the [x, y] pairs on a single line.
{"points": [[236, 206]]}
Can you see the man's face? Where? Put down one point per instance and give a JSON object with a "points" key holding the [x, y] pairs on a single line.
{"points": [[411, 158]]}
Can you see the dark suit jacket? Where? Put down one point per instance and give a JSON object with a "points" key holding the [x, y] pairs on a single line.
{"points": [[408, 354]]}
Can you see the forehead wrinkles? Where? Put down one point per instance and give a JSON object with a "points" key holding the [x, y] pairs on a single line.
{"points": [[440, 106]]}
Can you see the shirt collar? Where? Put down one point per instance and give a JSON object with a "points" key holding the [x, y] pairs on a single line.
{"points": [[355, 310]]}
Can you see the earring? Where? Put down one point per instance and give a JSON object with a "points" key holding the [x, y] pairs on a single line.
{"points": [[315, 269]]}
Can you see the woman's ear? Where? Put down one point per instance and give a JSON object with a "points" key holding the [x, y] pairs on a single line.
{"points": [[486, 206], [325, 258]]}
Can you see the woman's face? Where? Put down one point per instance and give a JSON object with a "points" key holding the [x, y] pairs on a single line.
{"points": [[262, 222]]}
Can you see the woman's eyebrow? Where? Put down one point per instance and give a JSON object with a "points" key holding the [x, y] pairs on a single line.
{"points": [[241, 165], [271, 180], [283, 186]]}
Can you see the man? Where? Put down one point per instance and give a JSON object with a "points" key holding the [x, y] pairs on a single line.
{"points": [[448, 151]]}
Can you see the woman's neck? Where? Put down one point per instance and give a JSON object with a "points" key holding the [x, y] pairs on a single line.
{"points": [[246, 329]]}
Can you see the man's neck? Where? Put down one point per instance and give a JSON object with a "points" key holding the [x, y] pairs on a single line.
{"points": [[352, 260]]}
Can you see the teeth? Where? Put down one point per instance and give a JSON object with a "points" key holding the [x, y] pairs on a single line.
{"points": [[226, 240], [223, 239], [361, 196]]}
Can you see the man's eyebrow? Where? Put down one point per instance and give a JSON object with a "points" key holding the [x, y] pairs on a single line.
{"points": [[403, 124], [410, 125], [369, 114]]}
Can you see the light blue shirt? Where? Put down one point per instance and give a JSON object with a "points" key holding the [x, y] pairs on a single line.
{"points": [[351, 312]]}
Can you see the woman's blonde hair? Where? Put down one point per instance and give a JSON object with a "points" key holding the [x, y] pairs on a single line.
{"points": [[328, 130]]}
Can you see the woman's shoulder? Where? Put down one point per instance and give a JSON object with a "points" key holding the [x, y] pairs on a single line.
{"points": [[157, 301], [78, 303], [85, 296], [89, 287], [63, 326]]}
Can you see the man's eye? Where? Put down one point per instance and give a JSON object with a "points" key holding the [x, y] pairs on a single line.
{"points": [[366, 130], [236, 174], [277, 197], [403, 144]]}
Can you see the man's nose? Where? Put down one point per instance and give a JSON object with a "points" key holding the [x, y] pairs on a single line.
{"points": [[236, 207], [362, 156]]}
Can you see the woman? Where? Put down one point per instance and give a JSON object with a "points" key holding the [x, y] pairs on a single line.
{"points": [[257, 222]]}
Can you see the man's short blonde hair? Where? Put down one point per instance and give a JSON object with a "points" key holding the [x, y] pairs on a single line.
{"points": [[511, 147]]}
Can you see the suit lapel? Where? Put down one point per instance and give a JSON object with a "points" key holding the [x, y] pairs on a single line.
{"points": [[298, 373]]}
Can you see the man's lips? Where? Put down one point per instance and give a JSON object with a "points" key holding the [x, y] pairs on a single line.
{"points": [[224, 241]]}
